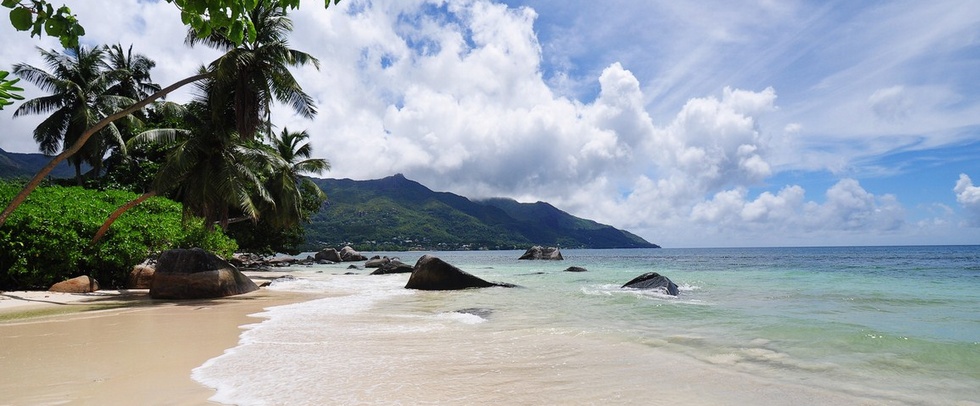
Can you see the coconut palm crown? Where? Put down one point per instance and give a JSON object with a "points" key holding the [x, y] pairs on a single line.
{"points": [[78, 83], [252, 75]]}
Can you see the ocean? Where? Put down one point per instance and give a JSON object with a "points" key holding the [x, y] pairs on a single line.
{"points": [[763, 326]]}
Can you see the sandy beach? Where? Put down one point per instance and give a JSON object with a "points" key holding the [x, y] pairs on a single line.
{"points": [[118, 347]]}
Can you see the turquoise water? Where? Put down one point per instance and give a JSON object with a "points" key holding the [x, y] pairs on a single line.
{"points": [[865, 325]]}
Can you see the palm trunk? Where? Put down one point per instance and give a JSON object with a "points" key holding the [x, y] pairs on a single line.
{"points": [[119, 211], [36, 180], [78, 172]]}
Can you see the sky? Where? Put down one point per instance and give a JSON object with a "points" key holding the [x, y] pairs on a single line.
{"points": [[714, 123]]}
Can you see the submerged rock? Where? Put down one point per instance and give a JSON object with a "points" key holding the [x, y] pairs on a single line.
{"points": [[576, 269], [480, 312], [196, 274], [539, 252], [432, 273], [653, 280]]}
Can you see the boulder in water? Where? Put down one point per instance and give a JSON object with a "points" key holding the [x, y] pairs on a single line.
{"points": [[348, 254], [196, 274], [376, 262], [432, 273], [539, 252], [328, 254], [393, 266], [653, 280], [575, 269]]}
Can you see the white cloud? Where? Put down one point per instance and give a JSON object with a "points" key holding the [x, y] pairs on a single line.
{"points": [[848, 208], [891, 104], [968, 196]]}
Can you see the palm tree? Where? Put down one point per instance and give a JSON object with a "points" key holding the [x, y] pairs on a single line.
{"points": [[218, 170], [78, 82], [287, 181], [210, 169], [132, 73], [252, 75]]}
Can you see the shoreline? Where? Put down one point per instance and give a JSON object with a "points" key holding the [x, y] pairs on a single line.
{"points": [[116, 347]]}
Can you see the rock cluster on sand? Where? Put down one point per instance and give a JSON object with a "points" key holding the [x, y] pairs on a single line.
{"points": [[653, 280], [196, 274], [432, 273], [539, 252]]}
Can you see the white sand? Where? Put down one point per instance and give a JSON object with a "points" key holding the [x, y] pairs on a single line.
{"points": [[117, 347]]}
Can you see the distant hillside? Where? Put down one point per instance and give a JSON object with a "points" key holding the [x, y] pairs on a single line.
{"points": [[398, 213], [18, 165]]}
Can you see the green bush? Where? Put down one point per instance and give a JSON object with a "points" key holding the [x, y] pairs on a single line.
{"points": [[46, 239]]}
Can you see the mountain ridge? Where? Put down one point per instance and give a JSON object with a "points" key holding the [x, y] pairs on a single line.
{"points": [[398, 213], [26, 165]]}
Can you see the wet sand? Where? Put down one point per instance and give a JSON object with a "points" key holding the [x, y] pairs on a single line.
{"points": [[117, 347]]}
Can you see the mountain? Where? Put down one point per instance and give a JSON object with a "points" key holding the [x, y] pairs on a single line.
{"points": [[17, 165], [398, 213]]}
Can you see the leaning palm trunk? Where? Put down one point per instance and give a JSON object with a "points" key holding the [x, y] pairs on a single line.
{"points": [[36, 180], [118, 212]]}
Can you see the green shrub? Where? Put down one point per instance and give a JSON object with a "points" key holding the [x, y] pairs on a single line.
{"points": [[46, 239]]}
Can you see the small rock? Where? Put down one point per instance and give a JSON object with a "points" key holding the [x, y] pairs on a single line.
{"points": [[81, 284]]}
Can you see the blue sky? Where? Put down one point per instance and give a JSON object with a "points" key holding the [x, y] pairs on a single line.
{"points": [[709, 123]]}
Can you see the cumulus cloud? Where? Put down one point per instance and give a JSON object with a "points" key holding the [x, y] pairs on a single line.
{"points": [[968, 196], [454, 94], [848, 207]]}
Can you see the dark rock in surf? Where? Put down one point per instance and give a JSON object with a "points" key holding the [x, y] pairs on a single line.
{"points": [[196, 274], [348, 254], [432, 273], [653, 280], [376, 262], [575, 269], [393, 266], [539, 252], [328, 254], [481, 312]]}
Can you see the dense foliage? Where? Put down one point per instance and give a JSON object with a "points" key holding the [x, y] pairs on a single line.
{"points": [[47, 240]]}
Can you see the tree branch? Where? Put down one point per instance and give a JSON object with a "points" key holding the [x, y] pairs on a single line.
{"points": [[118, 212], [36, 180]]}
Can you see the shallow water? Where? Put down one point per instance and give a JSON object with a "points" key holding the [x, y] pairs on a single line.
{"points": [[871, 325]]}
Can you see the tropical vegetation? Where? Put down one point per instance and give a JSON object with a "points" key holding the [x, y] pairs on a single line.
{"points": [[47, 240], [216, 156]]}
